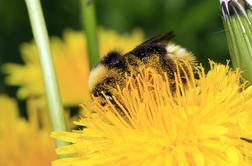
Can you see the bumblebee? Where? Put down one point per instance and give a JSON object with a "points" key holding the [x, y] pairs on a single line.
{"points": [[158, 52]]}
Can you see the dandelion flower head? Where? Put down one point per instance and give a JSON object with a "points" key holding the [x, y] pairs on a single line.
{"points": [[206, 121]]}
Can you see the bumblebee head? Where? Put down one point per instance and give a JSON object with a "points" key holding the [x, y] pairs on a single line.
{"points": [[112, 61]]}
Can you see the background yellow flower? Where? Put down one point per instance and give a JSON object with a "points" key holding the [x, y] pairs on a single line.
{"points": [[71, 63], [24, 142], [199, 124]]}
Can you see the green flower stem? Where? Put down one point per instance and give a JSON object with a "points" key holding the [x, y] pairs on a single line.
{"points": [[237, 18], [89, 22], [56, 111]]}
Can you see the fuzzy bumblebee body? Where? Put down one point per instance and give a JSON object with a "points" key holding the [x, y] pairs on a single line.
{"points": [[157, 52]]}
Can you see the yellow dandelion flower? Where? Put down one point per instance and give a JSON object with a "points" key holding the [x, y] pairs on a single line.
{"points": [[23, 142], [204, 122], [71, 63]]}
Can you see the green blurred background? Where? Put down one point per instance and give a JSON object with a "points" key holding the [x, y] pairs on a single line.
{"points": [[196, 23]]}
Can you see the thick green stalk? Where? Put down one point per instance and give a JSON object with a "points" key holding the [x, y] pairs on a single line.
{"points": [[89, 23], [56, 111], [237, 20]]}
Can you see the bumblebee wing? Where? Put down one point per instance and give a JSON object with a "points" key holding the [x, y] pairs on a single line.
{"points": [[161, 39], [155, 44]]}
